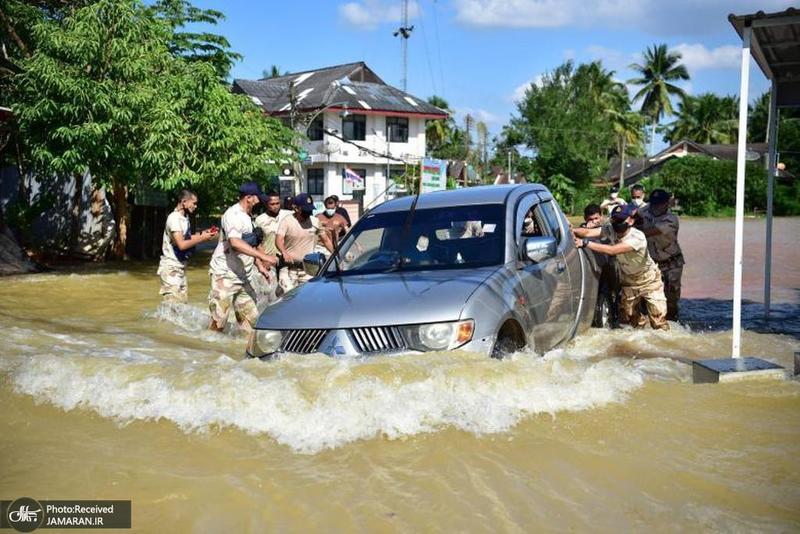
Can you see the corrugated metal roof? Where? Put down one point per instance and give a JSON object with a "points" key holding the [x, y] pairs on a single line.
{"points": [[775, 45], [352, 85]]}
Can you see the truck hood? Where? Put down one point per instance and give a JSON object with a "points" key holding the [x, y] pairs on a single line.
{"points": [[375, 300]]}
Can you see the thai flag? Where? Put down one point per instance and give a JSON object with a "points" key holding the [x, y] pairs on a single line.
{"points": [[352, 177]]}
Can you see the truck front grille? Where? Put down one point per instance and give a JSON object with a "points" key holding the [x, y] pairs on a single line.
{"points": [[303, 341], [378, 339]]}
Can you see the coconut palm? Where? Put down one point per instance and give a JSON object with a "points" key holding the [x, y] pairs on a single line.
{"points": [[705, 118], [438, 132], [659, 69]]}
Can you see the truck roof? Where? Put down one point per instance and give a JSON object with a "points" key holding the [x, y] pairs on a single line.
{"points": [[486, 194]]}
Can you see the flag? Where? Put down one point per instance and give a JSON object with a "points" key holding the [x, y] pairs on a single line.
{"points": [[353, 178]]}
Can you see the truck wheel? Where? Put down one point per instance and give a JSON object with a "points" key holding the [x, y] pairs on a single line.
{"points": [[509, 340], [602, 312]]}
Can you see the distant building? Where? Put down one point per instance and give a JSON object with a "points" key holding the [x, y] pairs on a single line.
{"points": [[636, 169], [361, 120]]}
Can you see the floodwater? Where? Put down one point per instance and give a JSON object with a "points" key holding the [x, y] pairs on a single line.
{"points": [[107, 396]]}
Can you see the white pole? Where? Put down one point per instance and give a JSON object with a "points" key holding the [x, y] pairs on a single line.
{"points": [[509, 167], [772, 143], [740, 167]]}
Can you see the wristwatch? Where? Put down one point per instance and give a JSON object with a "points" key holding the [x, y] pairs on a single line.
{"points": [[584, 243]]}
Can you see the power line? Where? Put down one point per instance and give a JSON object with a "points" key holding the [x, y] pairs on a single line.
{"points": [[438, 45], [427, 53]]}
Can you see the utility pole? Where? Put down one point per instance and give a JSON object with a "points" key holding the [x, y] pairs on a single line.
{"points": [[509, 166], [404, 32]]}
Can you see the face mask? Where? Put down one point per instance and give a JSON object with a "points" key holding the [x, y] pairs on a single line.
{"points": [[528, 221], [638, 201], [614, 195], [330, 211], [620, 227]]}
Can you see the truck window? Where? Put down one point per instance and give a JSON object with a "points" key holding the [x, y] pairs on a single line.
{"points": [[553, 221]]}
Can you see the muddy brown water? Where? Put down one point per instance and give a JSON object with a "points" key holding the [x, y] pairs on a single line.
{"points": [[107, 396]]}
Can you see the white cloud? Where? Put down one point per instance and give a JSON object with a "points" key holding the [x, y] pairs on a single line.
{"points": [[369, 14], [698, 57], [613, 59], [677, 17], [519, 91], [479, 115]]}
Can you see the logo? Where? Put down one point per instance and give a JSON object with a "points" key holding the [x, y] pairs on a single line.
{"points": [[25, 515], [335, 347]]}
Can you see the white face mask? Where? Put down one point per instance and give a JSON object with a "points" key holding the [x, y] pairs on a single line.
{"points": [[330, 211], [614, 195]]}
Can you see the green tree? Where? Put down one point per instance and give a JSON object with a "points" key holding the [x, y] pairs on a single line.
{"points": [[273, 72], [569, 120], [196, 46], [788, 137], [657, 74], [706, 118], [104, 91]]}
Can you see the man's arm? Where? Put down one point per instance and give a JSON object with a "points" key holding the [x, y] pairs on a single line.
{"points": [[609, 250], [242, 247], [196, 239], [587, 232]]}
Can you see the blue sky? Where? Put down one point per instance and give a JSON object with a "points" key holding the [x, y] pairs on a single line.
{"points": [[481, 54]]}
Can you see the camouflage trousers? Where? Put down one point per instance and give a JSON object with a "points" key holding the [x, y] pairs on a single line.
{"points": [[652, 293], [672, 290], [174, 287], [291, 277], [266, 290], [226, 294]]}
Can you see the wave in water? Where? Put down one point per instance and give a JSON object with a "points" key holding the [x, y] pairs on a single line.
{"points": [[314, 403]]}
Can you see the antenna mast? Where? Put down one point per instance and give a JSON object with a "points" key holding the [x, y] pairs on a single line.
{"points": [[404, 32]]}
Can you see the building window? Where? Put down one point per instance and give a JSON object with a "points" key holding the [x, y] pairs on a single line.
{"points": [[314, 131], [348, 182], [354, 127], [397, 129], [316, 181]]}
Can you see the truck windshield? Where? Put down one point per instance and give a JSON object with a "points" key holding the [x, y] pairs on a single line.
{"points": [[456, 237]]}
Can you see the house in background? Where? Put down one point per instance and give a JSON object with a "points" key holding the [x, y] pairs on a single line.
{"points": [[636, 169], [361, 127]]}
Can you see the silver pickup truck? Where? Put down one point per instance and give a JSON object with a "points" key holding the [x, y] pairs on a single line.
{"points": [[486, 269]]}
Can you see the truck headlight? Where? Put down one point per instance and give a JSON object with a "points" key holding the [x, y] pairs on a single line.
{"points": [[263, 342], [439, 336]]}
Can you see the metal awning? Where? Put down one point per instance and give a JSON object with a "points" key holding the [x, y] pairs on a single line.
{"points": [[773, 39]]}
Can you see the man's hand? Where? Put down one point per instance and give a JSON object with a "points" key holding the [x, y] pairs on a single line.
{"points": [[210, 234]]}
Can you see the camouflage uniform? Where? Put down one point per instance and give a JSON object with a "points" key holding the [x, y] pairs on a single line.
{"points": [[231, 274], [666, 252], [641, 281], [173, 284], [291, 276], [227, 293], [171, 270]]}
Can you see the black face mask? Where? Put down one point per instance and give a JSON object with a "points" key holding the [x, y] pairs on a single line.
{"points": [[620, 227]]}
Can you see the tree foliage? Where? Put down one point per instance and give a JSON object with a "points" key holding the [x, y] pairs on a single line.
{"points": [[706, 118], [573, 120], [104, 91], [204, 47], [707, 187]]}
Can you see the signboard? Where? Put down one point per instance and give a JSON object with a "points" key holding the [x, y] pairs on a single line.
{"points": [[434, 175], [303, 155]]}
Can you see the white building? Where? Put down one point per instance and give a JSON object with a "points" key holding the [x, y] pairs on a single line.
{"points": [[357, 123]]}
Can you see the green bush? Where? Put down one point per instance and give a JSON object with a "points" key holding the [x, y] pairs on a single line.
{"points": [[707, 187]]}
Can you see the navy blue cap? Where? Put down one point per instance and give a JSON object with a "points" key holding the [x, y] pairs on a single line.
{"points": [[305, 202], [659, 196], [252, 188], [621, 213]]}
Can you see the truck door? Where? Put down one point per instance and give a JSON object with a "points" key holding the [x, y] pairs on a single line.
{"points": [[546, 285]]}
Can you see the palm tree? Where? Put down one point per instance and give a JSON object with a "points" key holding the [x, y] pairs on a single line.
{"points": [[659, 69], [439, 131], [273, 72], [706, 118]]}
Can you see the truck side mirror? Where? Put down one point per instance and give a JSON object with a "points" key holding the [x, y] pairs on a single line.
{"points": [[540, 248], [312, 263]]}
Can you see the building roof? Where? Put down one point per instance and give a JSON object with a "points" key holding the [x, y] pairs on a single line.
{"points": [[775, 45], [353, 86], [636, 168]]}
